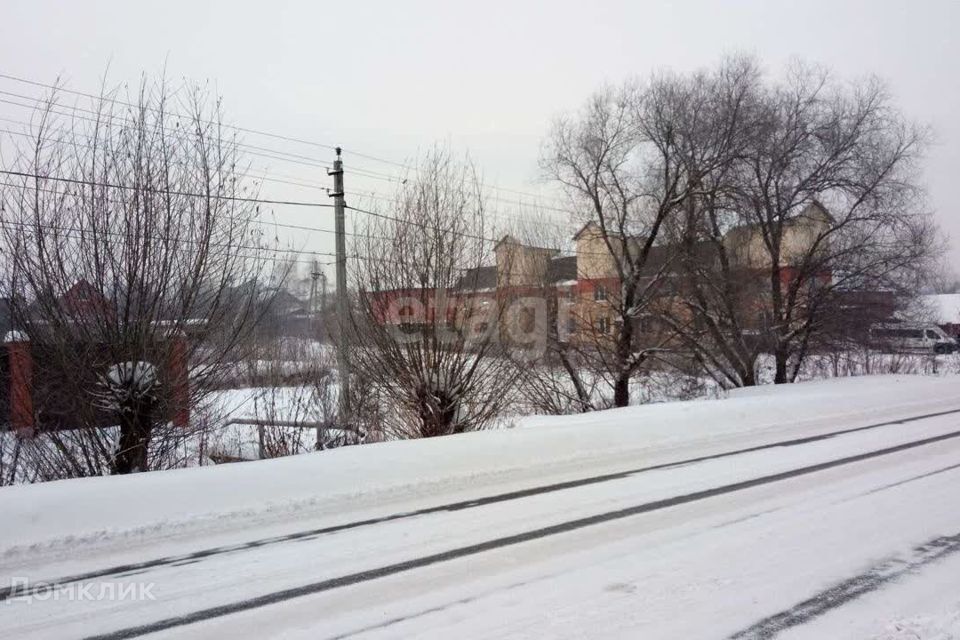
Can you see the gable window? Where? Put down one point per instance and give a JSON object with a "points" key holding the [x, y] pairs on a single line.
{"points": [[600, 292]]}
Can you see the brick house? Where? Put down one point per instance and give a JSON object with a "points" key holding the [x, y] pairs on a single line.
{"points": [[33, 381], [580, 290]]}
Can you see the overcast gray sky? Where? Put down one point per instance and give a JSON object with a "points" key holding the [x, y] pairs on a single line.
{"points": [[389, 78]]}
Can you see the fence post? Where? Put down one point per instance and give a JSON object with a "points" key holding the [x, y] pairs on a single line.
{"points": [[179, 377], [21, 383]]}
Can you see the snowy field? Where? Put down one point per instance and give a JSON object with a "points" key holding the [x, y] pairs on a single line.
{"points": [[825, 509]]}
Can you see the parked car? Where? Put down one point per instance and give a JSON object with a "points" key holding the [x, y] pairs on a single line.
{"points": [[919, 338]]}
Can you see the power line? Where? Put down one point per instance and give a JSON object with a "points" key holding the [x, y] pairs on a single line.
{"points": [[293, 157], [418, 224], [281, 255], [262, 152], [257, 200], [397, 180], [256, 176], [77, 233], [268, 134], [284, 225], [259, 152], [254, 221], [253, 150], [374, 195], [37, 176], [415, 169], [253, 200], [130, 104], [273, 223]]}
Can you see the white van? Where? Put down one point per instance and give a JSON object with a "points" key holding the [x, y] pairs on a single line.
{"points": [[927, 338]]}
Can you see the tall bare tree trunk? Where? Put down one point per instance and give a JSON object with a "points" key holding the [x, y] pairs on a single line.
{"points": [[621, 385], [780, 356], [136, 426]]}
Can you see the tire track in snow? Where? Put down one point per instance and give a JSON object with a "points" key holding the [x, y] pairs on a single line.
{"points": [[852, 588], [498, 543], [120, 571]]}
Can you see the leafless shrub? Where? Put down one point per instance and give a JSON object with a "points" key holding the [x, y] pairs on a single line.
{"points": [[426, 340]]}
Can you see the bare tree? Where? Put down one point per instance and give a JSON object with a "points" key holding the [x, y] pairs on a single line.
{"points": [[618, 161], [427, 339], [715, 296], [804, 203], [830, 202], [136, 253], [746, 216]]}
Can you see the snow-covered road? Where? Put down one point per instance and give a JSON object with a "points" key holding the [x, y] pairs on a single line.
{"points": [[830, 528]]}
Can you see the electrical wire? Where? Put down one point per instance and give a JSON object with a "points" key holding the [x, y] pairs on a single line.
{"points": [[359, 154], [37, 176]]}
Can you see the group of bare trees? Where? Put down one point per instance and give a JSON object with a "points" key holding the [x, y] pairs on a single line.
{"points": [[772, 202], [739, 215], [132, 260]]}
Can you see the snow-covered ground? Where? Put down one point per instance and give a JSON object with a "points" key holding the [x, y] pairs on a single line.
{"points": [[943, 625], [628, 545]]}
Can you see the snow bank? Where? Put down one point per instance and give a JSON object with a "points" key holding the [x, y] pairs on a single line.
{"points": [[58, 516]]}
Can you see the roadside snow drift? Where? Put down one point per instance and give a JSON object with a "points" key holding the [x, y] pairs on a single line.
{"points": [[56, 517]]}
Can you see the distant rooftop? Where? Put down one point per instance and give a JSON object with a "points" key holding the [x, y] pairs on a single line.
{"points": [[477, 278]]}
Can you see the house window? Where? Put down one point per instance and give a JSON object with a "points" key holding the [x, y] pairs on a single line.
{"points": [[600, 292], [571, 326], [603, 325]]}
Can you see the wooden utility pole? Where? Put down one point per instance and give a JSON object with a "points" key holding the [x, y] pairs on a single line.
{"points": [[343, 310]]}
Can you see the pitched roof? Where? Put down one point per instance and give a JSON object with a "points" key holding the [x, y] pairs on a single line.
{"points": [[505, 239], [589, 225], [817, 207], [477, 278], [285, 301], [509, 239], [82, 289], [562, 268]]}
